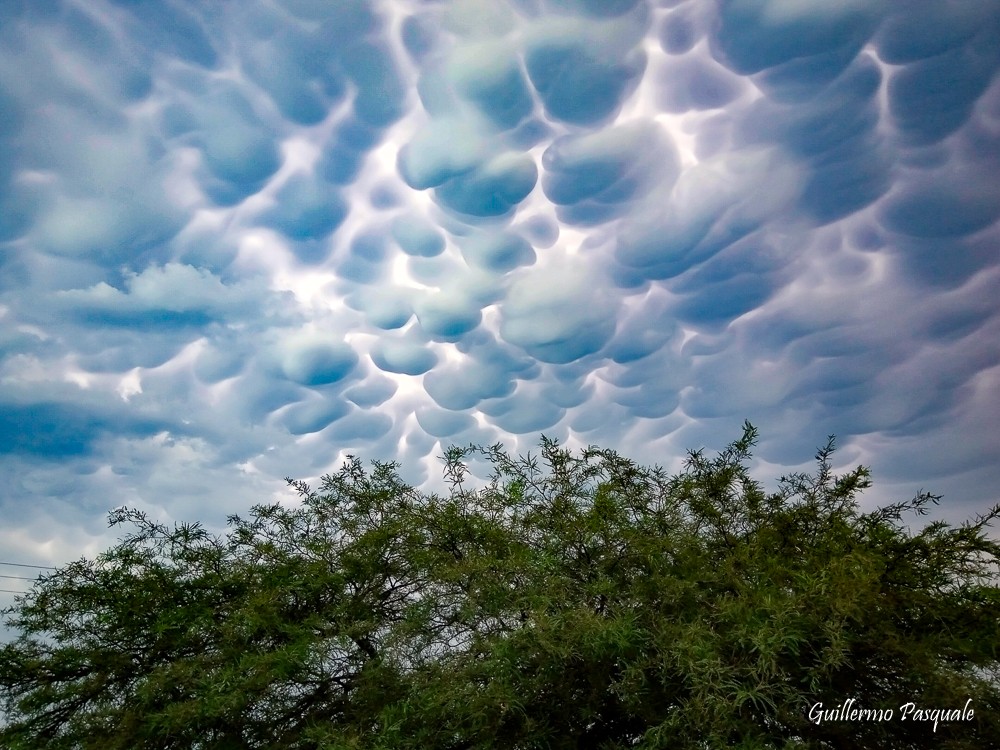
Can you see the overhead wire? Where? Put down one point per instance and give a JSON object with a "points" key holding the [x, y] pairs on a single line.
{"points": [[21, 578]]}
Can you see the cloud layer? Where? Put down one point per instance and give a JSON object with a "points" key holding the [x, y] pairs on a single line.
{"points": [[241, 242]]}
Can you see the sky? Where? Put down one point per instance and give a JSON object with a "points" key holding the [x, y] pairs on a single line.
{"points": [[241, 240]]}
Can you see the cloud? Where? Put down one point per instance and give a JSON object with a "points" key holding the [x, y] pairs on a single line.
{"points": [[403, 358], [711, 206], [931, 208], [360, 427], [525, 411], [373, 392], [497, 251], [930, 98], [239, 243], [220, 361], [449, 149], [441, 423], [314, 359], [417, 237], [557, 313], [483, 369], [297, 73], [492, 189], [385, 306], [757, 35], [171, 295], [579, 82], [591, 176], [238, 149], [488, 75], [306, 208], [312, 416], [344, 155], [180, 33], [691, 83], [57, 430], [364, 263], [447, 316], [679, 32]]}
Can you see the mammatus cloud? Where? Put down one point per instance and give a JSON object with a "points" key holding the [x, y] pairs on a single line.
{"points": [[239, 243]]}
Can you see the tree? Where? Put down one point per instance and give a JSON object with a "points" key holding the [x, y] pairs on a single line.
{"points": [[574, 601]]}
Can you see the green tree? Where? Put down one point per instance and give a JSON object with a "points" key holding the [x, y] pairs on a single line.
{"points": [[574, 601]]}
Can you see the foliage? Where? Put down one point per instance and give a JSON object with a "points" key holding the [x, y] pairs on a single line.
{"points": [[575, 601]]}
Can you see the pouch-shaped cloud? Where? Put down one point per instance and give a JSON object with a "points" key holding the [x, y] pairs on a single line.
{"points": [[642, 330], [558, 313], [522, 413], [946, 262], [931, 98], [306, 208], [497, 252], [173, 30], [493, 188], [443, 424], [82, 226], [365, 261], [379, 92], [489, 75], [678, 32], [418, 36], [753, 35], [447, 315], [346, 150], [360, 426], [452, 147], [590, 176], [578, 82], [651, 388], [386, 306], [927, 28], [402, 357], [290, 68], [942, 206], [238, 149], [415, 236], [219, 362], [313, 415], [722, 301], [487, 370], [314, 359], [108, 200], [463, 388], [692, 83], [835, 136], [712, 205], [372, 392]]}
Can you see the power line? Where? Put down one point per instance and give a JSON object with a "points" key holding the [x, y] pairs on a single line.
{"points": [[21, 578]]}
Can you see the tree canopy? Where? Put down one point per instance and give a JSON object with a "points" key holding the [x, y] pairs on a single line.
{"points": [[573, 600]]}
